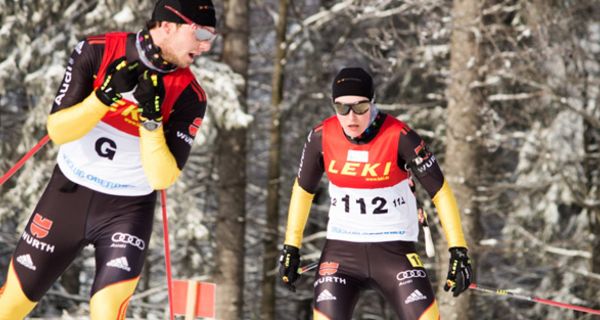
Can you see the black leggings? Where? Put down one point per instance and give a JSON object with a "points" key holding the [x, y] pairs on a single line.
{"points": [[69, 217], [392, 268]]}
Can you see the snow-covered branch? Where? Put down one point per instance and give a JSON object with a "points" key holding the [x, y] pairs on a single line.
{"points": [[552, 249], [513, 96]]}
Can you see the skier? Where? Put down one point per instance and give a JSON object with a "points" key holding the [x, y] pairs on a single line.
{"points": [[125, 117], [373, 224]]}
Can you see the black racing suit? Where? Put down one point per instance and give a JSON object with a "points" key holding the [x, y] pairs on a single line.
{"points": [[372, 224], [99, 194]]}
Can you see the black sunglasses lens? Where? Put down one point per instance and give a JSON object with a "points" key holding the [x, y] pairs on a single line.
{"points": [[342, 109], [361, 108], [358, 108]]}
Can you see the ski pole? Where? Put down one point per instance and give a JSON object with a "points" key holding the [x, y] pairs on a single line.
{"points": [[511, 294], [429, 247], [422, 216], [163, 200], [22, 161]]}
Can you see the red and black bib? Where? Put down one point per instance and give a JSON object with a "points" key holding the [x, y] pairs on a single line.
{"points": [[371, 200]]}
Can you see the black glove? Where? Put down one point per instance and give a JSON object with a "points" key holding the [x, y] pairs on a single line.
{"points": [[289, 261], [460, 273], [120, 77], [150, 94]]}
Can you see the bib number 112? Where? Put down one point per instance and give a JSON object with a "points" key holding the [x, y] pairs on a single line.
{"points": [[379, 204]]}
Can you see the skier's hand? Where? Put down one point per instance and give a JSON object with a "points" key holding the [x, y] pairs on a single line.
{"points": [[460, 273], [150, 94], [289, 261], [120, 77]]}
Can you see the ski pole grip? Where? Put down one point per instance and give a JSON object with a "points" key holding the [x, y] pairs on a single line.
{"points": [[429, 247]]}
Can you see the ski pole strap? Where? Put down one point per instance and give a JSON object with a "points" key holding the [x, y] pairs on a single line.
{"points": [[511, 294], [163, 200], [22, 161]]}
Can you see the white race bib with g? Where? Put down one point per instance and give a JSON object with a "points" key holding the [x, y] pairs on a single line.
{"points": [[105, 160]]}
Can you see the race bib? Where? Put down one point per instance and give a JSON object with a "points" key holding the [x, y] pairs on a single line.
{"points": [[373, 215]]}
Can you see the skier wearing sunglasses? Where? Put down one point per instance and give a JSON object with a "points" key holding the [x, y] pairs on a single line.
{"points": [[125, 117], [368, 157]]}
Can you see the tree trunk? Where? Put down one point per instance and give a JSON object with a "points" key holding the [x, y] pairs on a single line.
{"points": [[591, 142], [231, 155], [270, 234], [461, 163]]}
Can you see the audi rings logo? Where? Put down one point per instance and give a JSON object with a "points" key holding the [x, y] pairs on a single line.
{"points": [[129, 239], [409, 274]]}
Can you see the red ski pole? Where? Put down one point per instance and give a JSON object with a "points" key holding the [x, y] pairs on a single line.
{"points": [[22, 161], [163, 200], [508, 293]]}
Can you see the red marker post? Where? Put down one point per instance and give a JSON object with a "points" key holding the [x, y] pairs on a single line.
{"points": [[194, 299]]}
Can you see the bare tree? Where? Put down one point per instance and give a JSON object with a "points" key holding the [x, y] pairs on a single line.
{"points": [[231, 167], [462, 159], [270, 234]]}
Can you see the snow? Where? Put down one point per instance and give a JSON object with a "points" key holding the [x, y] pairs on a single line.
{"points": [[124, 16], [221, 85]]}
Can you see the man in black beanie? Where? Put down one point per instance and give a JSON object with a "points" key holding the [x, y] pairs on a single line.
{"points": [[352, 82], [369, 158], [125, 117], [178, 47], [354, 86]]}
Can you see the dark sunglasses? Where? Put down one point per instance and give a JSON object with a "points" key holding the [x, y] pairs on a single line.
{"points": [[202, 33], [358, 108]]}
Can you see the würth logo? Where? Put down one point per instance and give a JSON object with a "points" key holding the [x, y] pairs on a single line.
{"points": [[193, 128], [328, 268], [40, 226]]}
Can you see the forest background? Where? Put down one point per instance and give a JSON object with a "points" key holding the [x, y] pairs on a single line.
{"points": [[505, 92]]}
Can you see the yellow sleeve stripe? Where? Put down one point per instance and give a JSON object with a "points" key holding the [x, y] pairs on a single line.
{"points": [[74, 122], [300, 204], [447, 209], [158, 162]]}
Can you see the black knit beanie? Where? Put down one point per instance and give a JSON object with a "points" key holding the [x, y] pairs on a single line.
{"points": [[201, 12], [352, 82]]}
